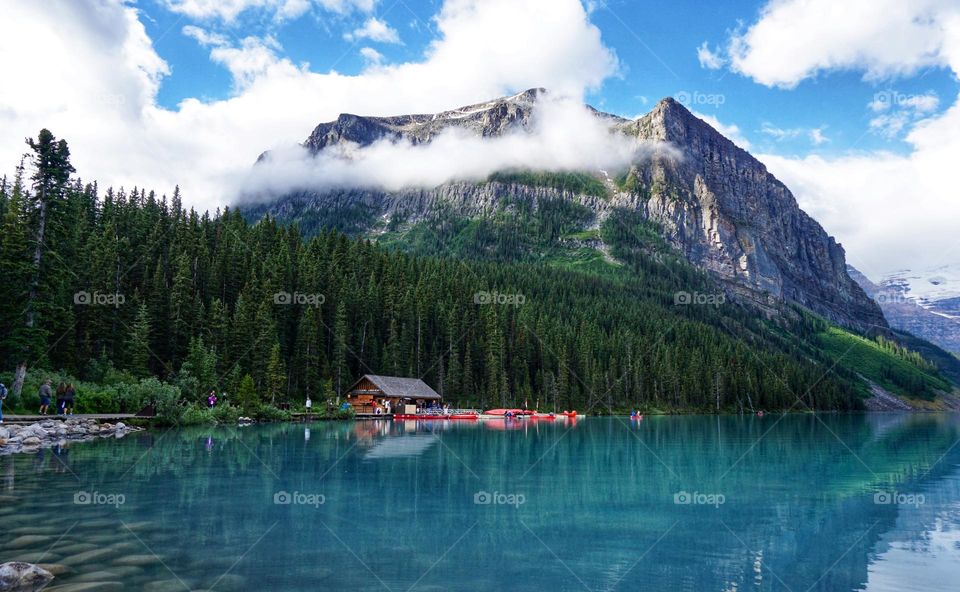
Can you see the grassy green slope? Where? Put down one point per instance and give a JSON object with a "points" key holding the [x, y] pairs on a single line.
{"points": [[893, 367]]}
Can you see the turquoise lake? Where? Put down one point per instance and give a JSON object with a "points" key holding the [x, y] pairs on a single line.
{"points": [[797, 503]]}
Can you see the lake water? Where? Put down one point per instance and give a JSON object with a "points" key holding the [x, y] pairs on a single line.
{"points": [[799, 503]]}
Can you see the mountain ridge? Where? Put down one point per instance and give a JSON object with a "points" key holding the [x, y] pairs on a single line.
{"points": [[716, 204]]}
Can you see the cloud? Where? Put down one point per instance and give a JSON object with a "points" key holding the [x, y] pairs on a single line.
{"points": [[796, 39], [94, 81], [890, 211], [374, 29], [228, 10], [731, 131], [815, 135], [896, 110], [564, 136], [371, 55], [709, 59]]}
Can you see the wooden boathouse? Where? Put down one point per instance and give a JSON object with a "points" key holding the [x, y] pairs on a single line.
{"points": [[381, 395]]}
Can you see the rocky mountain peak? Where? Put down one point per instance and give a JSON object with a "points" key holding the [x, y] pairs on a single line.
{"points": [[715, 203]]}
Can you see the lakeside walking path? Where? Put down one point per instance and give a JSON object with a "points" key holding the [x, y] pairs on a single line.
{"points": [[96, 416]]}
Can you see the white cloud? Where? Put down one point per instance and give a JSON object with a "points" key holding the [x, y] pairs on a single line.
{"points": [[564, 135], [817, 136], [796, 39], [731, 131], [204, 37], [779, 134], [896, 110], [709, 59], [890, 211], [371, 55], [229, 10], [889, 125], [374, 29], [95, 78]]}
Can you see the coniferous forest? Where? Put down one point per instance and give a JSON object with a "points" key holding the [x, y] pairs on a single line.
{"points": [[128, 283]]}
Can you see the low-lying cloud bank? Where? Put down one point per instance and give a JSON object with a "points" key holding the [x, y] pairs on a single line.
{"points": [[564, 136]]}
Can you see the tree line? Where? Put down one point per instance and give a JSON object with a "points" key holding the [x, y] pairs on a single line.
{"points": [[137, 281]]}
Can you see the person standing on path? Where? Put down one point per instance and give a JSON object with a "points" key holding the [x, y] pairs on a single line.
{"points": [[45, 394], [3, 396], [61, 389], [69, 395]]}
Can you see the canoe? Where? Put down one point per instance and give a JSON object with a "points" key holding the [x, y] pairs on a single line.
{"points": [[461, 416]]}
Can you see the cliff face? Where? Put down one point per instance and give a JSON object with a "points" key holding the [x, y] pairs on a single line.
{"points": [[716, 204], [728, 214]]}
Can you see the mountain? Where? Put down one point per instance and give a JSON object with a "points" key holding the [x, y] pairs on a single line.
{"points": [[714, 203], [937, 321]]}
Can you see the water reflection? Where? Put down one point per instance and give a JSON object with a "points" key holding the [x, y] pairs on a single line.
{"points": [[697, 503]]}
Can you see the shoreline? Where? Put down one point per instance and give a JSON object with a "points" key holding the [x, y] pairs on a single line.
{"points": [[35, 436]]}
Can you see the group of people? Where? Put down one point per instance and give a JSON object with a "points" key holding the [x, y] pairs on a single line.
{"points": [[213, 399], [66, 396]]}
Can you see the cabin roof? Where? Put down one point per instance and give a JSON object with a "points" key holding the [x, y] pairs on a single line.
{"points": [[394, 386]]}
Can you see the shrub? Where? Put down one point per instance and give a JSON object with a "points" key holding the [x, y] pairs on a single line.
{"points": [[271, 413], [197, 415], [96, 399], [226, 413]]}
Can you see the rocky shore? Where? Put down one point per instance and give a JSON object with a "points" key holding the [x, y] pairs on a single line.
{"points": [[45, 434]]}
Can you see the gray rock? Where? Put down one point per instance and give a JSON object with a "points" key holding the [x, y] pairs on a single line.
{"points": [[715, 204], [18, 576]]}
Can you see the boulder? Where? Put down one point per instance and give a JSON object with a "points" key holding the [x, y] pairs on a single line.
{"points": [[31, 441], [18, 576]]}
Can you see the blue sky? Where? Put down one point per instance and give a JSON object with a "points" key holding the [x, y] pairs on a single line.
{"points": [[655, 42]]}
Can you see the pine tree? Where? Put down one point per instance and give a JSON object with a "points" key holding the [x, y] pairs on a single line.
{"points": [[51, 160], [341, 372], [276, 376], [247, 397], [138, 344]]}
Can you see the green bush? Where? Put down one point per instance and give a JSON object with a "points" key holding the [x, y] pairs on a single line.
{"points": [[226, 413], [271, 413], [96, 399], [197, 415]]}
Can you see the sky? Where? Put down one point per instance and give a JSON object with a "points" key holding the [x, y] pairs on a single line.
{"points": [[853, 104]]}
